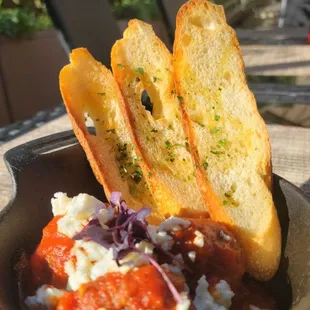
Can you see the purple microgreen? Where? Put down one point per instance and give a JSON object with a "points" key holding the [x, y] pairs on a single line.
{"points": [[115, 198]]}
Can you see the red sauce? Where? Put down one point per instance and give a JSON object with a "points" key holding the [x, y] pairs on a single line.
{"points": [[142, 289], [47, 262]]}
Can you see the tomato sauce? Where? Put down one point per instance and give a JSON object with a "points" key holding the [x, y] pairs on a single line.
{"points": [[47, 262], [142, 289]]}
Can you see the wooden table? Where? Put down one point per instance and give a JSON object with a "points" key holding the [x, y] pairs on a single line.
{"points": [[290, 153], [277, 60]]}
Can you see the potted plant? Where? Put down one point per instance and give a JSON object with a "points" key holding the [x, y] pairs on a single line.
{"points": [[146, 10], [30, 59]]}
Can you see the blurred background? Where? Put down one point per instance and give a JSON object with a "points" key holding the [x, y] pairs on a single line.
{"points": [[36, 37]]}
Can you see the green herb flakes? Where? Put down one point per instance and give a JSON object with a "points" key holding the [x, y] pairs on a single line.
{"points": [[112, 131], [154, 130], [121, 66], [225, 202], [101, 94], [222, 142], [205, 165], [215, 130], [180, 99], [215, 152], [217, 118], [168, 145], [139, 70]]}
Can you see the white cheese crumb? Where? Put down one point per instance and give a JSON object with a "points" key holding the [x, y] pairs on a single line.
{"points": [[192, 255], [88, 261], [79, 211], [145, 247], [205, 301], [105, 215], [46, 295], [224, 236], [173, 223], [223, 294], [184, 304], [199, 239], [60, 203]]}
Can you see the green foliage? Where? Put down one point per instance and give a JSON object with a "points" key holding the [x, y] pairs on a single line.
{"points": [[142, 9], [22, 20]]}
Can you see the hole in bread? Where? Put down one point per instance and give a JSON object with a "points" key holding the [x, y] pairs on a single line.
{"points": [[146, 101], [90, 126], [196, 21], [186, 39]]}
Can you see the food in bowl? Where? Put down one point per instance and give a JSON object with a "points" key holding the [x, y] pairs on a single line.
{"points": [[199, 159], [96, 255]]}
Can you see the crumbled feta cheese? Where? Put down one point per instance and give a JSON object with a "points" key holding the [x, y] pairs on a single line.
{"points": [[199, 239], [152, 231], [60, 203], [184, 304], [79, 211], [205, 301], [47, 296], [224, 236], [88, 261], [254, 308], [192, 255], [173, 223], [223, 294], [145, 247]]}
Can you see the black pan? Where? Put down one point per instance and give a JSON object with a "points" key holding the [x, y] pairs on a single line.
{"points": [[57, 163]]}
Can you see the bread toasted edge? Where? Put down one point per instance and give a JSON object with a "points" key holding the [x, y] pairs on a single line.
{"points": [[261, 264]]}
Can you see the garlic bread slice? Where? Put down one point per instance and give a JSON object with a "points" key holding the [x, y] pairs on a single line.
{"points": [[142, 63], [228, 137], [90, 91]]}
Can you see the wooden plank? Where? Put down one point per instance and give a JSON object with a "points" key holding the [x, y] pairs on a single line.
{"points": [[285, 60]]}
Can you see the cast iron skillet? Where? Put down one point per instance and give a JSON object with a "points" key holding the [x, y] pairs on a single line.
{"points": [[57, 163]]}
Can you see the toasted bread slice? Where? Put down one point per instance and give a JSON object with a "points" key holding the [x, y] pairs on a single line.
{"points": [[89, 89], [141, 62], [227, 135]]}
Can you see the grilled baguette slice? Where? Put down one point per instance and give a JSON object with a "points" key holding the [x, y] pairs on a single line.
{"points": [[228, 138], [89, 90], [141, 62]]}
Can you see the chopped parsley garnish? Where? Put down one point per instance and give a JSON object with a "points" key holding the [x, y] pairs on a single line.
{"points": [[222, 142], [170, 127], [137, 175], [111, 130], [154, 130], [173, 92], [225, 202], [180, 99], [101, 94], [168, 145], [201, 124], [205, 165], [121, 66], [215, 130], [187, 146], [149, 174], [139, 70], [217, 117], [217, 152], [155, 79], [220, 88]]}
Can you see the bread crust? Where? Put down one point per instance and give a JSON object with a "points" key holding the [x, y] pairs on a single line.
{"points": [[264, 248]]}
